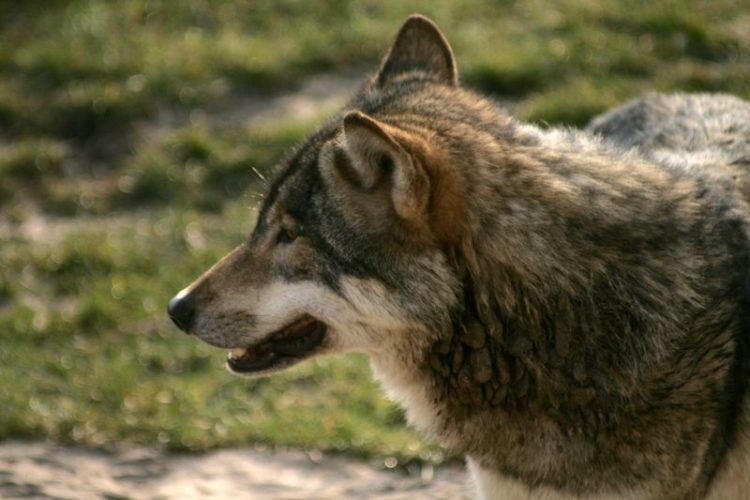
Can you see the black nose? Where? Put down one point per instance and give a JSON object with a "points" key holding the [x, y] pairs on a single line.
{"points": [[182, 311]]}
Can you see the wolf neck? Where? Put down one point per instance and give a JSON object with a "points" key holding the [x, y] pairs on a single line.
{"points": [[554, 293]]}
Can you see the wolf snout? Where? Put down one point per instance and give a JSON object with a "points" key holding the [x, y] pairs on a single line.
{"points": [[181, 310]]}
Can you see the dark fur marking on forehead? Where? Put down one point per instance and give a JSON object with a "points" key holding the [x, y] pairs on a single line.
{"points": [[300, 159], [302, 193], [323, 225], [293, 165]]}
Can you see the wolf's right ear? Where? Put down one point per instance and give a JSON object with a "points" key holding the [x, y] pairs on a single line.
{"points": [[371, 157], [421, 46]]}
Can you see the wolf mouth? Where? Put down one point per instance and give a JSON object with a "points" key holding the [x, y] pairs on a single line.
{"points": [[281, 348]]}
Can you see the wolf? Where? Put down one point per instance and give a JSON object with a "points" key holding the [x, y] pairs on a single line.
{"points": [[569, 309]]}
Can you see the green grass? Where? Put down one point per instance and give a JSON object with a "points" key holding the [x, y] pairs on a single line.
{"points": [[74, 68], [107, 208]]}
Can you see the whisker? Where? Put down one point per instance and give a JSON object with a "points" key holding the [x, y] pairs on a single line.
{"points": [[260, 176]]}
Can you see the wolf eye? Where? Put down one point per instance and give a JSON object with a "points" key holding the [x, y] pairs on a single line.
{"points": [[288, 235]]}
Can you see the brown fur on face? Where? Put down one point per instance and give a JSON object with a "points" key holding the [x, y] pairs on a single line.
{"points": [[571, 312]]}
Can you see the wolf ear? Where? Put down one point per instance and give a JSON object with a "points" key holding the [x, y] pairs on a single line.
{"points": [[375, 155], [419, 46]]}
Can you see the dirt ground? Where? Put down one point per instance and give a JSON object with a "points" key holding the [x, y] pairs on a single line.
{"points": [[39, 470]]}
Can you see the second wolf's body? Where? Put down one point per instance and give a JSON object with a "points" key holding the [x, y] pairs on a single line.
{"points": [[708, 134], [572, 312]]}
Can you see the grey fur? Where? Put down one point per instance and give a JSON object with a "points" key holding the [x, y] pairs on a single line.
{"points": [[682, 123]]}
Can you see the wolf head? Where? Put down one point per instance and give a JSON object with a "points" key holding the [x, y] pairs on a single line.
{"points": [[354, 240]]}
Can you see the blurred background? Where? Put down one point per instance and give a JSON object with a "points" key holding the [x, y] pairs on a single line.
{"points": [[129, 135]]}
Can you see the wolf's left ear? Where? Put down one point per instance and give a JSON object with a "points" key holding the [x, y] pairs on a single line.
{"points": [[419, 46], [377, 157]]}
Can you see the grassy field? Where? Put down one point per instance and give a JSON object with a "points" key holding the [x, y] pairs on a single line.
{"points": [[120, 182]]}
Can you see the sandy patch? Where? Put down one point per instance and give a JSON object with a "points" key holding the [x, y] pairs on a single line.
{"points": [[37, 470]]}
